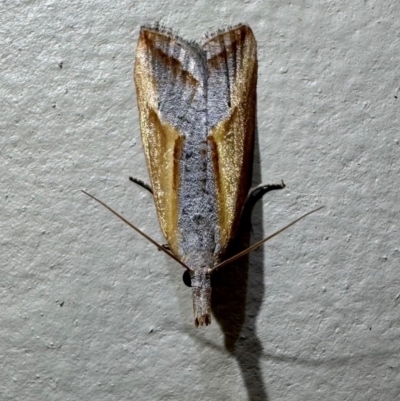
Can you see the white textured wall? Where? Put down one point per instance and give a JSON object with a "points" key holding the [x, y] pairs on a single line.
{"points": [[90, 311]]}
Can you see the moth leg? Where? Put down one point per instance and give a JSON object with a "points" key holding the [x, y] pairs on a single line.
{"points": [[255, 194], [141, 184], [148, 188]]}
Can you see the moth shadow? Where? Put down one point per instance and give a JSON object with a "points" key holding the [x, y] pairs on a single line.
{"points": [[238, 292], [229, 291]]}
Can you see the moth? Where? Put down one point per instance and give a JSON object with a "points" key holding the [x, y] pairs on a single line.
{"points": [[197, 104]]}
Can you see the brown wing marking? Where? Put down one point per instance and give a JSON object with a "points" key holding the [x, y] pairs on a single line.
{"points": [[232, 139]]}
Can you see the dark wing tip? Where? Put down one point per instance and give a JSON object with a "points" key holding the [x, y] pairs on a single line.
{"points": [[212, 35], [160, 29]]}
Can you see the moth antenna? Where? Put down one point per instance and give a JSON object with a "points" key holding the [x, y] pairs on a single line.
{"points": [[259, 243], [160, 247]]}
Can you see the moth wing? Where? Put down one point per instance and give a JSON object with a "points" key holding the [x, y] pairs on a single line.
{"points": [[162, 81], [232, 79]]}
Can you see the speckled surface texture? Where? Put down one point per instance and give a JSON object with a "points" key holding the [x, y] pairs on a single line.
{"points": [[90, 311]]}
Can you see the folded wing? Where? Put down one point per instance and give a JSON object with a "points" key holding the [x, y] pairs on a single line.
{"points": [[231, 104]]}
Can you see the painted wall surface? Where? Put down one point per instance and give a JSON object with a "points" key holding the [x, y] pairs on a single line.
{"points": [[91, 311]]}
